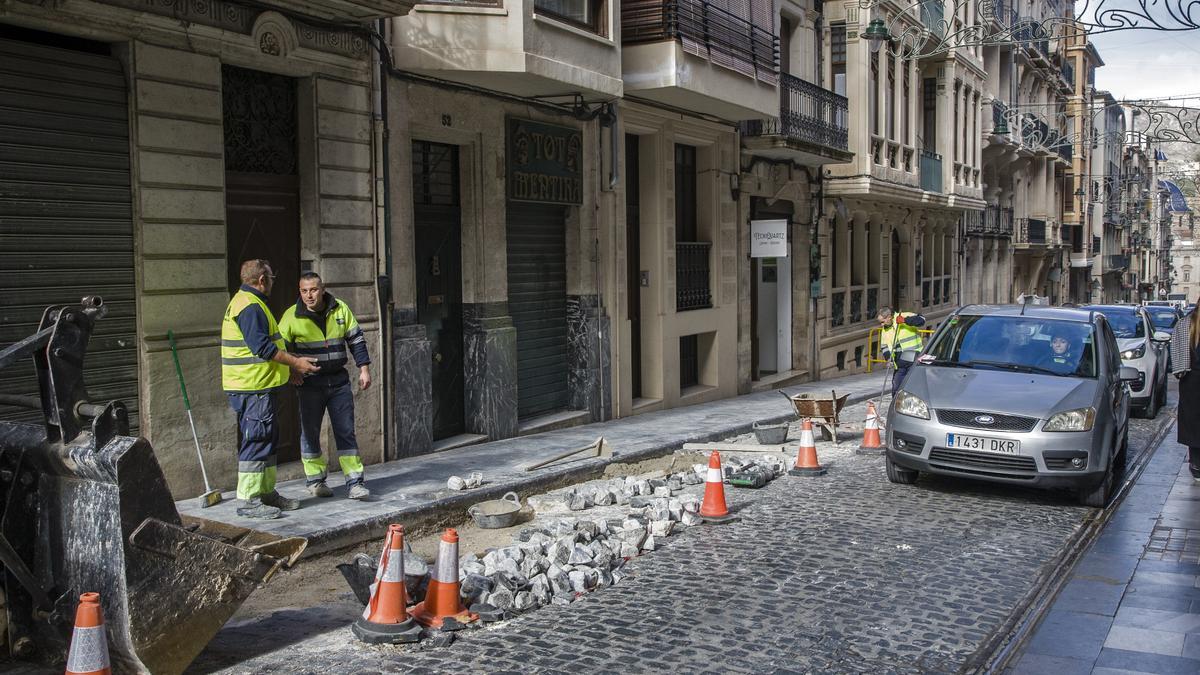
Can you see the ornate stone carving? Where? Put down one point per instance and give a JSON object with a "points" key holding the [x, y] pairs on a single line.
{"points": [[341, 42]]}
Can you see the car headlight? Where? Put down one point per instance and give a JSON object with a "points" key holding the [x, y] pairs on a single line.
{"points": [[1134, 353], [908, 404], [1071, 420]]}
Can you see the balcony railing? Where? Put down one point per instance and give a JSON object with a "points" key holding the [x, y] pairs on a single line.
{"points": [[999, 108], [837, 308], [693, 289], [1117, 262], [807, 113], [696, 21], [1065, 150], [931, 171], [1068, 73], [1031, 32], [1031, 231], [933, 17], [994, 220]]}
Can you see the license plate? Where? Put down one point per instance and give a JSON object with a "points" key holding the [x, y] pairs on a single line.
{"points": [[983, 444]]}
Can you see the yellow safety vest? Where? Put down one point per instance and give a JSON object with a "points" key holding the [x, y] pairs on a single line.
{"points": [[241, 369], [304, 337], [907, 337]]}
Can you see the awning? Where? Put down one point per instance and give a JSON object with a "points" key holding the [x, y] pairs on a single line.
{"points": [[1177, 203]]}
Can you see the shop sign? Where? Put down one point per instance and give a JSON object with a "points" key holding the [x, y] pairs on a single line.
{"points": [[768, 239], [544, 163]]}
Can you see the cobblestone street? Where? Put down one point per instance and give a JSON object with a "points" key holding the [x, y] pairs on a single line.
{"points": [[843, 573]]}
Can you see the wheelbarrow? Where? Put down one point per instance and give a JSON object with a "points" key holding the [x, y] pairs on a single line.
{"points": [[822, 411]]}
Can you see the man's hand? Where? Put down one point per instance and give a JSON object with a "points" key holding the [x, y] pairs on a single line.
{"points": [[364, 378], [304, 365]]}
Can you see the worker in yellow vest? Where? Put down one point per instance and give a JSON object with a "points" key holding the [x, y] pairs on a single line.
{"points": [[321, 326], [899, 334], [254, 365]]}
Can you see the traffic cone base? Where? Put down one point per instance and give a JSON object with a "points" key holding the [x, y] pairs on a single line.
{"points": [[386, 634], [871, 443], [88, 654], [442, 608], [385, 619], [806, 458]]}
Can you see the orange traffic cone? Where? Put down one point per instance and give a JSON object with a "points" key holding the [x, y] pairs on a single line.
{"points": [[871, 445], [385, 621], [713, 508], [89, 644], [442, 607], [806, 459]]}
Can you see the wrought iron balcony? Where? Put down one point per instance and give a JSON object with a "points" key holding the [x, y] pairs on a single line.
{"points": [[933, 13], [693, 288], [931, 171], [812, 122], [1030, 231], [994, 221], [725, 36], [1065, 150], [1117, 262], [1068, 73]]}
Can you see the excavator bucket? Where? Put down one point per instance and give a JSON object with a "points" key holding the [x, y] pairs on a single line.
{"points": [[84, 507]]}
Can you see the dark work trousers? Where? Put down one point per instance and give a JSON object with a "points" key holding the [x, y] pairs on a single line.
{"points": [[898, 378], [334, 394], [259, 439]]}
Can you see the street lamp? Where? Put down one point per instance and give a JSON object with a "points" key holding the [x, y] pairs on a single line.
{"points": [[877, 35]]}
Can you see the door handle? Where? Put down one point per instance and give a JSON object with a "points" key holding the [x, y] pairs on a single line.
{"points": [[437, 357]]}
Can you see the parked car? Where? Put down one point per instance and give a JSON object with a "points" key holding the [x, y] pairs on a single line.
{"points": [[1164, 318], [997, 396], [1144, 348]]}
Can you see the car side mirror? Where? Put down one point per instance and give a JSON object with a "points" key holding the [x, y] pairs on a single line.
{"points": [[1161, 336], [1129, 373], [907, 358]]}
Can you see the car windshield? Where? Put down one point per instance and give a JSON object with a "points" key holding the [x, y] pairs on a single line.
{"points": [[1125, 323], [1162, 318], [1021, 344]]}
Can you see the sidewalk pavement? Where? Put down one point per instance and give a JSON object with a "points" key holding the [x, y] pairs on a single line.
{"points": [[413, 490], [1132, 604]]}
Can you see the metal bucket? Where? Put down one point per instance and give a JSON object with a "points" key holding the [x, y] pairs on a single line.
{"points": [[770, 434], [496, 513]]}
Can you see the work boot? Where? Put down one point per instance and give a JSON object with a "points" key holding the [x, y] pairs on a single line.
{"points": [[280, 502], [359, 491], [320, 490], [256, 509]]}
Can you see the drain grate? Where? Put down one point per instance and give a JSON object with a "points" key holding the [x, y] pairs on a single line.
{"points": [[1174, 544]]}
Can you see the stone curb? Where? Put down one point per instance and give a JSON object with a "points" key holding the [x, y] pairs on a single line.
{"points": [[452, 510]]}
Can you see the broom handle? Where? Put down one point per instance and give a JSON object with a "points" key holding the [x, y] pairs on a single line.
{"points": [[187, 405]]}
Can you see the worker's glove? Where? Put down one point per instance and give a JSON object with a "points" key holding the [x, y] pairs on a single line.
{"points": [[899, 319], [887, 354]]}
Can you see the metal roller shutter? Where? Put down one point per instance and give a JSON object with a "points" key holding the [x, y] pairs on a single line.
{"points": [[66, 227], [537, 301]]}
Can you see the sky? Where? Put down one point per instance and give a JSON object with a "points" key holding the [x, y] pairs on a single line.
{"points": [[1146, 63]]}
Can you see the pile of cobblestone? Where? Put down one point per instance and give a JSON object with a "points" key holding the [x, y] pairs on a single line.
{"points": [[558, 561]]}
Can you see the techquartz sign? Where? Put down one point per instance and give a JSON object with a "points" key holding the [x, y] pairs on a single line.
{"points": [[768, 239]]}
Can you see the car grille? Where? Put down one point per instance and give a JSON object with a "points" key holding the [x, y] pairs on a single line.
{"points": [[966, 418], [984, 464]]}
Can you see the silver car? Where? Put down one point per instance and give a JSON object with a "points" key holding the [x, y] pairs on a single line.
{"points": [[1142, 347], [1023, 395]]}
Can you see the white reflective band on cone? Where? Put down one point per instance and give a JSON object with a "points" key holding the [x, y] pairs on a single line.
{"points": [[806, 438], [446, 570], [871, 423], [714, 476], [395, 567], [89, 650]]}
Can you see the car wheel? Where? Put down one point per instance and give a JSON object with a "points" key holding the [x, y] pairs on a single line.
{"points": [[1162, 391], [1154, 404], [899, 474], [1123, 453], [1098, 495]]}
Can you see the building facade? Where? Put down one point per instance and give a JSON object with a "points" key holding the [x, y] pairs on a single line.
{"points": [[152, 147]]}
